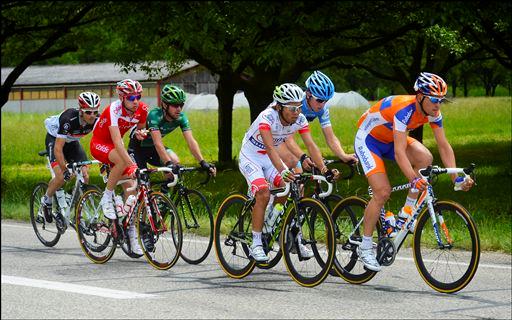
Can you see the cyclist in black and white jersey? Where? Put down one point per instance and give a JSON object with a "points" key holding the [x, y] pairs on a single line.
{"points": [[62, 143]]}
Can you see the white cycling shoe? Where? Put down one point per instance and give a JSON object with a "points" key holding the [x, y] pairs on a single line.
{"points": [[134, 242], [368, 258], [108, 208], [258, 254]]}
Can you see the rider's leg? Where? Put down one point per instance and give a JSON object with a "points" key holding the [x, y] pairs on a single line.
{"points": [[55, 183], [262, 196], [420, 157]]}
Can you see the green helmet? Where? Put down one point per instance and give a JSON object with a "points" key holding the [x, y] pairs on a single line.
{"points": [[173, 94]]}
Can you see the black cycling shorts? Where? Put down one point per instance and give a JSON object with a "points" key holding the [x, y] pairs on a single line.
{"points": [[143, 155], [73, 151]]}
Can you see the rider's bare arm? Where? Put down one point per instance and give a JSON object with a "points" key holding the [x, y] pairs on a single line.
{"points": [[159, 146], [445, 150], [313, 150], [272, 153]]}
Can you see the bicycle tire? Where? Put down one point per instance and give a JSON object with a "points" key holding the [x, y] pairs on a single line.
{"points": [[464, 239], [46, 232], [85, 187], [93, 228], [197, 223], [317, 230], [160, 243], [235, 264], [346, 215]]}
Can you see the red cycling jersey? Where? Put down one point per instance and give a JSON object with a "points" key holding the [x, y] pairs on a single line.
{"points": [[115, 115]]}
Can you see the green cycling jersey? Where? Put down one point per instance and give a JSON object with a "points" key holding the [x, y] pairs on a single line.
{"points": [[156, 121]]}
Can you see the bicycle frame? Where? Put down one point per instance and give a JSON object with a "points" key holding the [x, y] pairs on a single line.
{"points": [[427, 198]]}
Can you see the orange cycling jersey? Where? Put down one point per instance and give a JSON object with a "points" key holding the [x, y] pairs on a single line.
{"points": [[398, 112]]}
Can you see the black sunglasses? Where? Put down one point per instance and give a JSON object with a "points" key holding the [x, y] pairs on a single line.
{"points": [[91, 112], [179, 105]]}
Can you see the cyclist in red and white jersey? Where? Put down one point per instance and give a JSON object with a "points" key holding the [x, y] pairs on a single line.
{"points": [[382, 134], [260, 162], [107, 144]]}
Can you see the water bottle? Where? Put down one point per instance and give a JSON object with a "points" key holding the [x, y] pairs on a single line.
{"points": [[129, 204], [61, 198], [403, 215], [388, 221], [118, 202], [273, 215]]}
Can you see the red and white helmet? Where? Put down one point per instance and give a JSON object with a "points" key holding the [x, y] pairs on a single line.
{"points": [[128, 87], [89, 101]]}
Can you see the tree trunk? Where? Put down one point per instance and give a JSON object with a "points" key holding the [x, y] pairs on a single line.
{"points": [[466, 89], [454, 88], [225, 93]]}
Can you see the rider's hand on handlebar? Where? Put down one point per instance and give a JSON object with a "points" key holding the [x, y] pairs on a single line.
{"points": [[208, 167], [350, 159], [306, 163], [463, 184], [331, 174], [130, 171], [141, 134], [288, 175], [67, 175], [419, 184]]}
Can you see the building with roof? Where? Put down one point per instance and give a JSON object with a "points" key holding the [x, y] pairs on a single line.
{"points": [[56, 87]]}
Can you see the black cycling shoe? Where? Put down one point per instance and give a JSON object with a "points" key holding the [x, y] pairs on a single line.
{"points": [[47, 210]]}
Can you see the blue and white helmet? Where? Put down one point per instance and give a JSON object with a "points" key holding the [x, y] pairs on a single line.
{"points": [[320, 85]]}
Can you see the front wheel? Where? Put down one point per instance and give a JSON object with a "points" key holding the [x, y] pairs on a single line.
{"points": [[159, 229], [307, 242], [197, 220], [46, 230], [93, 228], [232, 235], [448, 266]]}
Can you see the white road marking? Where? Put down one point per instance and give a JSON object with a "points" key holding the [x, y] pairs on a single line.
{"points": [[75, 288]]}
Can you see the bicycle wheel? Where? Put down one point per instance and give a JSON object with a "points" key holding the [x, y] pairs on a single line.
{"points": [[346, 215], [45, 231], [275, 254], [197, 220], [93, 228], [232, 235], [160, 235], [85, 187], [312, 226], [331, 201], [448, 267]]}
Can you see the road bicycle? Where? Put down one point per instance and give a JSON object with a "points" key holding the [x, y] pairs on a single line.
{"points": [[445, 245], [195, 215], [305, 220], [157, 224], [49, 231]]}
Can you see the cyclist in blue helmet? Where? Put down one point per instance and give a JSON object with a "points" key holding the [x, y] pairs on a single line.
{"points": [[319, 89]]}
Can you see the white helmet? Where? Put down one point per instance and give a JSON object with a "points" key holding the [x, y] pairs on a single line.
{"points": [[89, 101], [288, 92]]}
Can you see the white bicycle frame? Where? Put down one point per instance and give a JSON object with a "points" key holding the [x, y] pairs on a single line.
{"points": [[426, 197]]}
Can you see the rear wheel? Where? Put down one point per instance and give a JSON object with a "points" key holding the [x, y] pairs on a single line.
{"points": [[159, 230], [46, 231], [93, 228], [346, 216], [232, 235]]}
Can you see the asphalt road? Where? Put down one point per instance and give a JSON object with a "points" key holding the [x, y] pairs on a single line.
{"points": [[60, 282]]}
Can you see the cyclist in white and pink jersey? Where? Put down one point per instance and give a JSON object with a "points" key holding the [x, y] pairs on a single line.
{"points": [[107, 144], [260, 162]]}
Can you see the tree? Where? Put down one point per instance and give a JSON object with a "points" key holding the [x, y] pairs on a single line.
{"points": [[254, 46], [34, 31]]}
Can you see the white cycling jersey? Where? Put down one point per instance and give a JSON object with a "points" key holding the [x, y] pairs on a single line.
{"points": [[268, 119]]}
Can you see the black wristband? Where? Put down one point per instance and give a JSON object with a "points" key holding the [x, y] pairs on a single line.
{"points": [[303, 157], [169, 164]]}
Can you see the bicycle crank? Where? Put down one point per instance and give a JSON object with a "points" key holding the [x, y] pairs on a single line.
{"points": [[386, 252]]}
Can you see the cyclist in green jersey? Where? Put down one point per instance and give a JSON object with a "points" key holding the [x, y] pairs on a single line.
{"points": [[160, 122]]}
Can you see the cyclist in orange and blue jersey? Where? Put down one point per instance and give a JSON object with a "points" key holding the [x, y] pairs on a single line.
{"points": [[382, 134]]}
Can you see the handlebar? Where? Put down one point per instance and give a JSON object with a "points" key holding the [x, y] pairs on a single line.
{"points": [[351, 165], [140, 172], [310, 177], [430, 171]]}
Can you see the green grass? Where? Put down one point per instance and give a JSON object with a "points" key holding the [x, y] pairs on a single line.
{"points": [[479, 130]]}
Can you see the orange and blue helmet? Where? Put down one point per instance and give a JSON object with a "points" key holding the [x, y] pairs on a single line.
{"points": [[431, 85]]}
